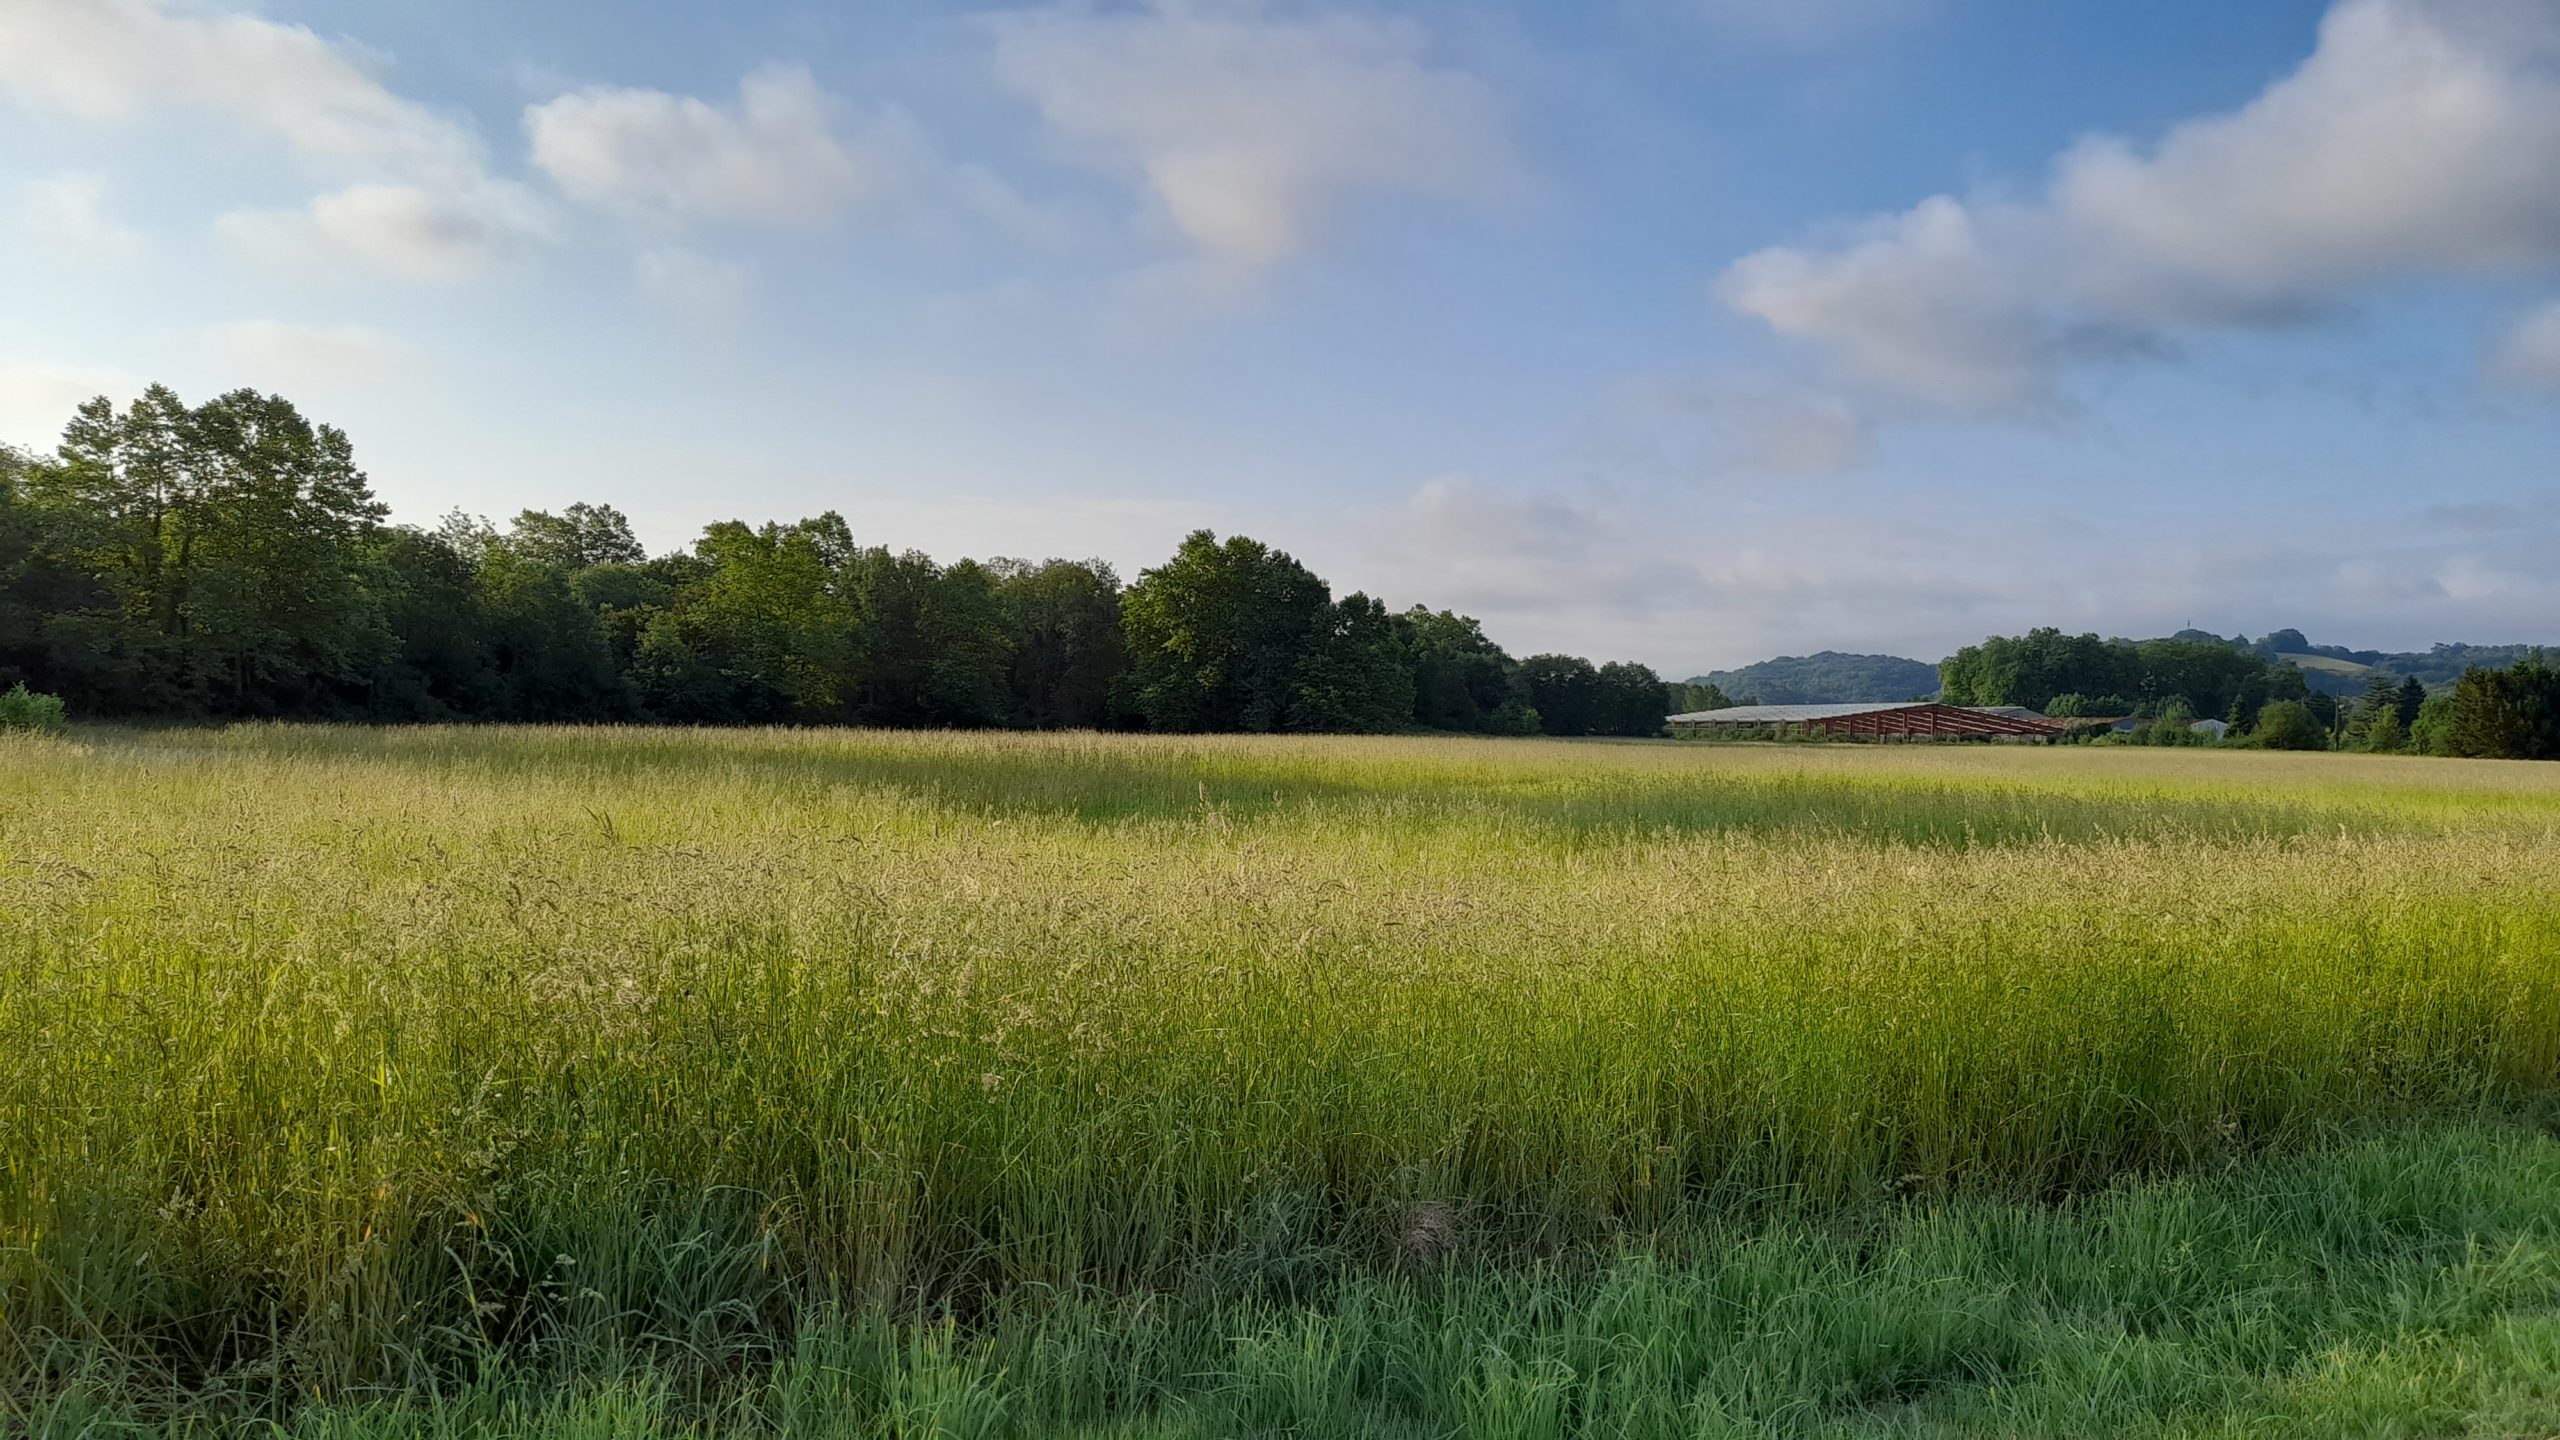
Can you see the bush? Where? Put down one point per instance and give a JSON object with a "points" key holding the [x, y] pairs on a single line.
{"points": [[2289, 725], [24, 709]]}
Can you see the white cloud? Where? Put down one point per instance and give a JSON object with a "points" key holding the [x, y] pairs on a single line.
{"points": [[68, 213], [116, 60], [37, 397], [273, 354], [1919, 304], [407, 232], [698, 286], [2531, 354], [774, 156], [1248, 123], [2421, 137], [416, 200]]}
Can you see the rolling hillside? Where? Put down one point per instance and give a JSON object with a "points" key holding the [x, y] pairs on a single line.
{"points": [[1828, 677]]}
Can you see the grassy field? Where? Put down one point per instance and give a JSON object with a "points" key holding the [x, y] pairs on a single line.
{"points": [[629, 1081]]}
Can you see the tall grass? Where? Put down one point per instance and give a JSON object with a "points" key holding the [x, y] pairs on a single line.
{"points": [[337, 1059]]}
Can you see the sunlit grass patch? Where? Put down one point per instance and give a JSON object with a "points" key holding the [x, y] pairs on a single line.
{"points": [[338, 1061]]}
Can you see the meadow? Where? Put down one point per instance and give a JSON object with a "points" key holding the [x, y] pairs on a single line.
{"points": [[630, 1081]]}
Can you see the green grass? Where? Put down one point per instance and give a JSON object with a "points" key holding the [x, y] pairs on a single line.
{"points": [[2406, 1285], [630, 1080]]}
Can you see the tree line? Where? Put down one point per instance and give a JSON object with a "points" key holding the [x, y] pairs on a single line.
{"points": [[2503, 712], [229, 559]]}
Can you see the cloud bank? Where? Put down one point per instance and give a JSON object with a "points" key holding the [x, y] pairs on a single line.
{"points": [[2421, 138]]}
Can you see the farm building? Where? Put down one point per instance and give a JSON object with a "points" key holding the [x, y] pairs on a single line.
{"points": [[1906, 720]]}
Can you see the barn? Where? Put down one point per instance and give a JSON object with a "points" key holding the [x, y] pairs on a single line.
{"points": [[1906, 720]]}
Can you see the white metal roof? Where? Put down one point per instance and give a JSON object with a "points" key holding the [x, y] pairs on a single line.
{"points": [[1786, 714]]}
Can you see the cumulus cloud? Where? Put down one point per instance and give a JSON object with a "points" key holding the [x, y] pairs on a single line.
{"points": [[774, 156], [1249, 123], [274, 354], [1921, 304], [68, 213], [2531, 354], [417, 201], [2421, 137]]}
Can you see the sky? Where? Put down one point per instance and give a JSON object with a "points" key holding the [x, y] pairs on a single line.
{"points": [[1680, 331]]}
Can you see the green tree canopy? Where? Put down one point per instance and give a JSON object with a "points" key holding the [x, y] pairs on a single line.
{"points": [[581, 536], [229, 548], [1062, 625], [1215, 634], [2510, 714], [2289, 725]]}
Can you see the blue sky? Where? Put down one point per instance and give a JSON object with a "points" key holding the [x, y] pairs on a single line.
{"points": [[1688, 331]]}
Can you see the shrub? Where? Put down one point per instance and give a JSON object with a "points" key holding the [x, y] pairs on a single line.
{"points": [[25, 709], [2288, 725]]}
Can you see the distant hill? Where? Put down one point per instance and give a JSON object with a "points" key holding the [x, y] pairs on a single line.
{"points": [[1827, 678], [2338, 670]]}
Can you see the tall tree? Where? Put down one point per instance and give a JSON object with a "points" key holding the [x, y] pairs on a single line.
{"points": [[1215, 634], [2510, 714], [764, 634], [1629, 699], [280, 598], [22, 610], [546, 647], [230, 545], [2410, 700], [2374, 721], [1461, 679], [1062, 622], [970, 648], [1565, 689], [892, 596], [439, 666], [1352, 677], [2031, 669]]}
